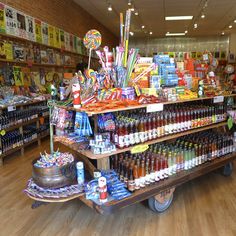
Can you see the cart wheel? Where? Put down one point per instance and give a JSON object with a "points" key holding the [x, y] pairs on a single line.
{"points": [[228, 169], [159, 207]]}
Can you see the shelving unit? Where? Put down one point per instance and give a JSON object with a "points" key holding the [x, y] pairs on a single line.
{"points": [[127, 108], [32, 64], [20, 127], [158, 189]]}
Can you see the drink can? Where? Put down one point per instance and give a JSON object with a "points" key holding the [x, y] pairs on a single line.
{"points": [[80, 172]]}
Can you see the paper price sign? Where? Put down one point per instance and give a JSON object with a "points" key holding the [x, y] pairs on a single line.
{"points": [[218, 99], [155, 107], [139, 148], [11, 108]]}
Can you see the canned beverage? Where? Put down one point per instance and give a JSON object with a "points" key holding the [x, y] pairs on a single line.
{"points": [[80, 172]]}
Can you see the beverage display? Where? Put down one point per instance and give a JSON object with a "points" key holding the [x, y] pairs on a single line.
{"points": [[8, 119], [139, 127], [11, 140], [166, 159]]}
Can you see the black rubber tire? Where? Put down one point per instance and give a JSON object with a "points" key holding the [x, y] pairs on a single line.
{"points": [[228, 169], [158, 207]]}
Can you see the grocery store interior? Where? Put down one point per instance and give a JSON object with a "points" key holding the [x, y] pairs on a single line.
{"points": [[118, 117]]}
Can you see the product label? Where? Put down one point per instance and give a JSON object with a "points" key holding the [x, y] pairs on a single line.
{"points": [[142, 181], [126, 140], [152, 177], [132, 139], [137, 139], [154, 133], [121, 141], [157, 175], [116, 138], [166, 129], [137, 183]]}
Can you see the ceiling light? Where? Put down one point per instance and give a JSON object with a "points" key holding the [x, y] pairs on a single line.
{"points": [[234, 21], [195, 26], [185, 31], [223, 33], [109, 7], [175, 34], [150, 32], [178, 17], [143, 26], [132, 8], [131, 33], [129, 2], [136, 13], [230, 26], [203, 16]]}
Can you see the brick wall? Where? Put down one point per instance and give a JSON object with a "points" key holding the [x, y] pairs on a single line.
{"points": [[64, 14]]}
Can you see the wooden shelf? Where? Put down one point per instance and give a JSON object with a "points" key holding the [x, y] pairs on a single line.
{"points": [[36, 64], [156, 188], [23, 104], [44, 45], [21, 124], [22, 146], [10, 151], [90, 155], [137, 106]]}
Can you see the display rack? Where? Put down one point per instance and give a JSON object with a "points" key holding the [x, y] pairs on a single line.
{"points": [[20, 126], [161, 191], [77, 56]]}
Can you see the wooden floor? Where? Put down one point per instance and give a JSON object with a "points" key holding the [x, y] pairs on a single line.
{"points": [[206, 206]]}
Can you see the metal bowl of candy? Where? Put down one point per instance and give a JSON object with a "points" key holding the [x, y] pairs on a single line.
{"points": [[54, 171]]}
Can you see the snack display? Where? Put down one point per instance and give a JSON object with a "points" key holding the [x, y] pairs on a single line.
{"points": [[56, 159], [36, 191], [161, 161]]}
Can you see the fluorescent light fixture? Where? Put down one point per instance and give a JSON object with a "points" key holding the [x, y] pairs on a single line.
{"points": [[178, 17], [131, 33], [185, 31], [136, 13], [203, 16], [175, 34], [109, 7], [195, 26], [230, 26], [129, 3], [150, 32], [143, 26]]}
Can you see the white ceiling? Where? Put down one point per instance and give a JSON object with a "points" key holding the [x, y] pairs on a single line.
{"points": [[219, 14]]}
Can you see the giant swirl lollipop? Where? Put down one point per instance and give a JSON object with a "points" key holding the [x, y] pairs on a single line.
{"points": [[92, 41]]}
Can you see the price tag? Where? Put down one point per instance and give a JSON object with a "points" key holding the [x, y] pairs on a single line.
{"points": [[218, 99], [155, 107], [3, 132], [139, 148], [11, 108]]}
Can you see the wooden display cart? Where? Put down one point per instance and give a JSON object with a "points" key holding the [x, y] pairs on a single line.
{"points": [[159, 194]]}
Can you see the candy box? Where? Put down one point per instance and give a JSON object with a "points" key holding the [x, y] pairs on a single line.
{"points": [[149, 91]]}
